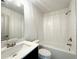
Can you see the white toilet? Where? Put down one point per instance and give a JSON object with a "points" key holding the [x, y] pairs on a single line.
{"points": [[44, 54]]}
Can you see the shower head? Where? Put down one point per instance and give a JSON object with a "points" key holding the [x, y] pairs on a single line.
{"points": [[67, 12]]}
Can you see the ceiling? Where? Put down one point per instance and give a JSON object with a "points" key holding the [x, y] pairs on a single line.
{"points": [[43, 5], [50, 5]]}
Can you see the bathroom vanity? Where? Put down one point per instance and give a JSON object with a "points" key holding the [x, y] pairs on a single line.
{"points": [[22, 50], [32, 55]]}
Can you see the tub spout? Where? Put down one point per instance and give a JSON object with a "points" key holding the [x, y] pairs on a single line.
{"points": [[69, 44]]}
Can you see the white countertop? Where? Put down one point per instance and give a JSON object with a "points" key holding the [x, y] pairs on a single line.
{"points": [[24, 51]]}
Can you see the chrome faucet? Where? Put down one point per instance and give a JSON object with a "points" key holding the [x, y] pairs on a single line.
{"points": [[11, 45]]}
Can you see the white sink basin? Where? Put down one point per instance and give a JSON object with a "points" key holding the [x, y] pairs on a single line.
{"points": [[18, 51]]}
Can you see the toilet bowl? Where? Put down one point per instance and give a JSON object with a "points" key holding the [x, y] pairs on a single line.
{"points": [[44, 53]]}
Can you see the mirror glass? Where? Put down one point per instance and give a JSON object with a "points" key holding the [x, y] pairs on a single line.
{"points": [[12, 19]]}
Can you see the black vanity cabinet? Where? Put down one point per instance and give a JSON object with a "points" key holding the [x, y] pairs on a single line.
{"points": [[33, 54]]}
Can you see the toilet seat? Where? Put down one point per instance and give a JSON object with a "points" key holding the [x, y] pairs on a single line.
{"points": [[44, 52]]}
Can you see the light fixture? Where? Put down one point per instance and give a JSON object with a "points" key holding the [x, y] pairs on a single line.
{"points": [[9, 0], [18, 3]]}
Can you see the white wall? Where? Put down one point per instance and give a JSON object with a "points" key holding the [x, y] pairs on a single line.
{"points": [[16, 22], [33, 22]]}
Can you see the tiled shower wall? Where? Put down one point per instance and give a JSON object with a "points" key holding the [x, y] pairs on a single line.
{"points": [[59, 27]]}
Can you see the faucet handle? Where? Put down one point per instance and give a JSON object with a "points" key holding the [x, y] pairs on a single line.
{"points": [[70, 39], [8, 45], [14, 43]]}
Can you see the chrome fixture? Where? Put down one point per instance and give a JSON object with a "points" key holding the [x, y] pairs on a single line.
{"points": [[69, 44], [70, 39], [67, 12], [11, 45]]}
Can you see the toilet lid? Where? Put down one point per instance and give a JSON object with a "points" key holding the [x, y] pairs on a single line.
{"points": [[44, 52]]}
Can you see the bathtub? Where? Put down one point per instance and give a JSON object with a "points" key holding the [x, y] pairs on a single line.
{"points": [[59, 54]]}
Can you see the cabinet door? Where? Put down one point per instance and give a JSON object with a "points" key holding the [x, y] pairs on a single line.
{"points": [[32, 55]]}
